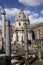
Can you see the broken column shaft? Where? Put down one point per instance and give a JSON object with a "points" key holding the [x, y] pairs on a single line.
{"points": [[8, 44], [26, 45], [38, 45]]}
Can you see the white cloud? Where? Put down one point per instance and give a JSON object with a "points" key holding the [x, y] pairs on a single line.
{"points": [[35, 14], [11, 12], [34, 20], [27, 12], [41, 12], [31, 2]]}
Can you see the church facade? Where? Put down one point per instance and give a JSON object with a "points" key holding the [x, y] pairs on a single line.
{"points": [[19, 25]]}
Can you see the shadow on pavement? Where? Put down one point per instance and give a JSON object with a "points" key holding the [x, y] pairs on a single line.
{"points": [[2, 60]]}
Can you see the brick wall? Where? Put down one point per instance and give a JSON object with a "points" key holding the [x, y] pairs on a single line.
{"points": [[36, 27]]}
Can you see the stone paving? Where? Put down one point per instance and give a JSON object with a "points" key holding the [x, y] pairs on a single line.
{"points": [[2, 60]]}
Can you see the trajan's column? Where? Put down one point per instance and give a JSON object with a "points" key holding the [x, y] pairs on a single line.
{"points": [[3, 25]]}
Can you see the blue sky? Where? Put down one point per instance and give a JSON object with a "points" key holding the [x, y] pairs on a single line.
{"points": [[32, 8]]}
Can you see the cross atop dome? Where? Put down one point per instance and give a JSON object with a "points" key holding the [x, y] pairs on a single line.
{"points": [[21, 9]]}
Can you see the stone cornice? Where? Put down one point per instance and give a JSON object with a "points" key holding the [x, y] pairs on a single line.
{"points": [[37, 25]]}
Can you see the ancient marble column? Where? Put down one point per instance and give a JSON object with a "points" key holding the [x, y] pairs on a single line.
{"points": [[3, 28], [38, 44], [26, 45], [8, 44]]}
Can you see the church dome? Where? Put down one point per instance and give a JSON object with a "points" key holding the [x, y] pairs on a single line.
{"points": [[21, 16]]}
